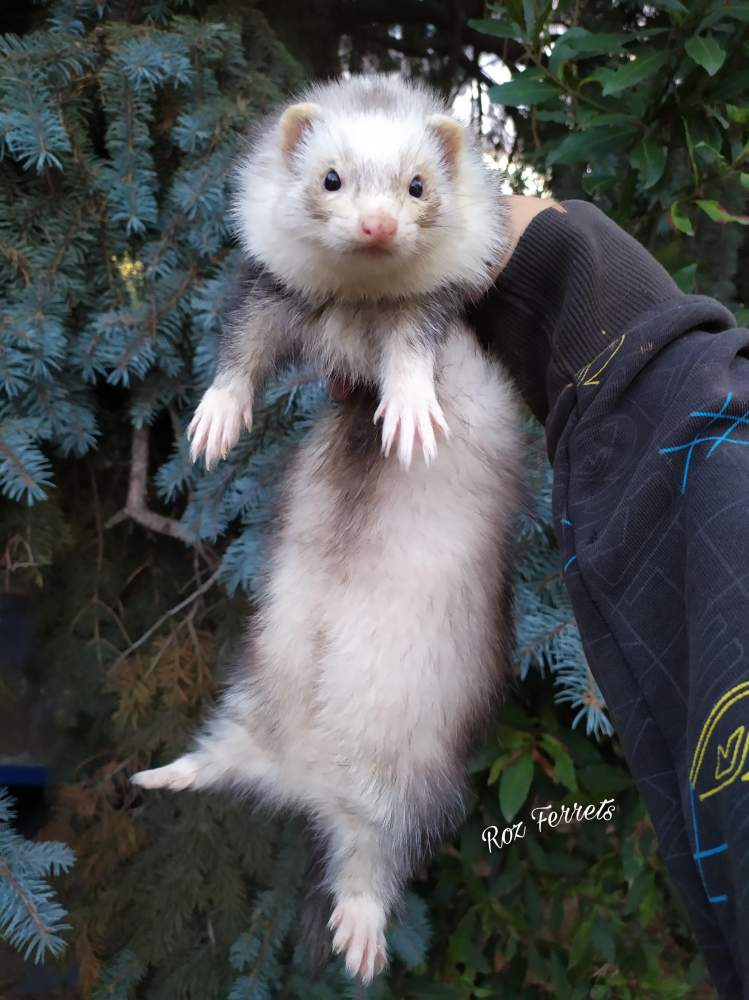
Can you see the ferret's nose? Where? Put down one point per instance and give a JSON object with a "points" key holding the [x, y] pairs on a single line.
{"points": [[378, 228]]}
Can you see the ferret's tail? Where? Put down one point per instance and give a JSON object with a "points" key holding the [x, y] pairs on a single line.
{"points": [[315, 939]]}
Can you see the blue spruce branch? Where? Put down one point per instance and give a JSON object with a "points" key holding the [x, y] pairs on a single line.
{"points": [[31, 919]]}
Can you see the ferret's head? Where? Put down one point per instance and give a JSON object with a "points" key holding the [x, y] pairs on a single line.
{"points": [[368, 188]]}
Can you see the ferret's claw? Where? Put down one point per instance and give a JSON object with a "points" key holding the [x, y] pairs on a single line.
{"points": [[175, 776], [411, 421], [359, 924], [217, 423]]}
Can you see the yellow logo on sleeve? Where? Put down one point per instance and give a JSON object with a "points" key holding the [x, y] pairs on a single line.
{"points": [[723, 761]]}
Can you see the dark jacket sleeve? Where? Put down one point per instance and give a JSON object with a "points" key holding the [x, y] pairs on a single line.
{"points": [[644, 392]]}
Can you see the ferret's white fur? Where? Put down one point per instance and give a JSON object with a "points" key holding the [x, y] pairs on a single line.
{"points": [[371, 663]]}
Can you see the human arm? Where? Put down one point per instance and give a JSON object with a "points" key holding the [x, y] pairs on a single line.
{"points": [[644, 392]]}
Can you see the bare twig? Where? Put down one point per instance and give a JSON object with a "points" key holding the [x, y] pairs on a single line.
{"points": [[136, 507], [206, 585], [99, 561]]}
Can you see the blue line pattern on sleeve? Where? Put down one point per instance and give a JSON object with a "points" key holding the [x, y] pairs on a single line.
{"points": [[714, 439]]}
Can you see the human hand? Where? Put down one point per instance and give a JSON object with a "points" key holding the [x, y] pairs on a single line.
{"points": [[521, 210]]}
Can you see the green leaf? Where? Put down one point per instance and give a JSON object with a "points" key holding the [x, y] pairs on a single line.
{"points": [[496, 769], [638, 890], [699, 130], [526, 89], [556, 863], [529, 15], [649, 907], [645, 65], [717, 213], [649, 160], [744, 178], [509, 879], [515, 785], [592, 144], [729, 86], [595, 186], [560, 117], [580, 942], [650, 32], [563, 763], [592, 118], [558, 976], [742, 316], [603, 942], [578, 43], [631, 859], [603, 779], [674, 6], [736, 12], [533, 906], [511, 737], [501, 29], [707, 153], [583, 42], [685, 277], [738, 114], [680, 220], [706, 52]]}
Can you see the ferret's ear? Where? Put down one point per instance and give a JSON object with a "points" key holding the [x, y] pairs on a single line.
{"points": [[451, 135], [293, 123]]}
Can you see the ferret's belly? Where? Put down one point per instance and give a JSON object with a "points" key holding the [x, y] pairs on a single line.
{"points": [[378, 637]]}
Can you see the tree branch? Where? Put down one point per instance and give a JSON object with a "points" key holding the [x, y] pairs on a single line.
{"points": [[136, 508], [206, 585]]}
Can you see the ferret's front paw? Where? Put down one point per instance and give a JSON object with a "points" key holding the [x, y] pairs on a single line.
{"points": [[359, 925], [218, 421], [411, 418], [175, 776]]}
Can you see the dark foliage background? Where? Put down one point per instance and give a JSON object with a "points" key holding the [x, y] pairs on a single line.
{"points": [[126, 571]]}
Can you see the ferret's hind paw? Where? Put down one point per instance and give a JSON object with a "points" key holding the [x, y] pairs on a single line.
{"points": [[217, 423], [359, 925], [176, 776], [411, 421]]}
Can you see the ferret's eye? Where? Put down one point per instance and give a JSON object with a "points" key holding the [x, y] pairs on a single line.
{"points": [[416, 187], [332, 181]]}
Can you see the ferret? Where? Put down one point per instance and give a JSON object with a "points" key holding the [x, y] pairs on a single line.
{"points": [[382, 638]]}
